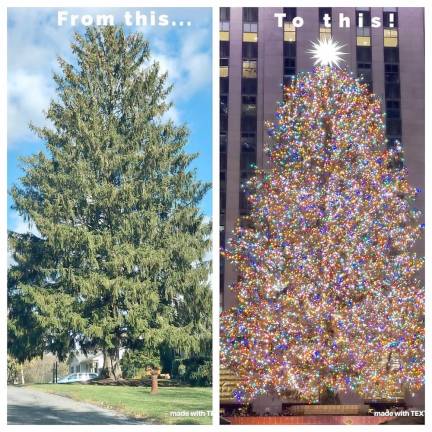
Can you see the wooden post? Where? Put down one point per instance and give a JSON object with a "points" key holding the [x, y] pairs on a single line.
{"points": [[154, 381]]}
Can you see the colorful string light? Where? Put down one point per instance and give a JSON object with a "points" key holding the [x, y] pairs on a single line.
{"points": [[328, 294]]}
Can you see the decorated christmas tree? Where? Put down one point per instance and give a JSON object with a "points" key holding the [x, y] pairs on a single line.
{"points": [[328, 295]]}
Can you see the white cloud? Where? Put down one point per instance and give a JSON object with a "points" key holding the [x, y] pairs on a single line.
{"points": [[28, 95], [189, 69], [34, 42]]}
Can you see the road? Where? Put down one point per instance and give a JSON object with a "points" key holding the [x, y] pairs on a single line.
{"points": [[28, 406]]}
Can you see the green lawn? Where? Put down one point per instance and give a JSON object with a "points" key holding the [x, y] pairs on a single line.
{"points": [[137, 401]]}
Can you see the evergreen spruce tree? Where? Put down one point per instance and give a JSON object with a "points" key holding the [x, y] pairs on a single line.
{"points": [[119, 262]]}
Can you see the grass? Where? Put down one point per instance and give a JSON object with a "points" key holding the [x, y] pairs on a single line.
{"points": [[137, 402]]}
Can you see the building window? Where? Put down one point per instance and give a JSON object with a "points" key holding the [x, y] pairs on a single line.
{"points": [[77, 368], [325, 32], [224, 14], [363, 22], [289, 47], [363, 36], [250, 14], [222, 151], [390, 37], [223, 104], [248, 119], [393, 109], [289, 66], [390, 18], [248, 151], [222, 236], [289, 32], [364, 65], [224, 59], [224, 85], [249, 68], [393, 127], [224, 50], [223, 71], [249, 105], [288, 27], [250, 32], [249, 50], [243, 198], [224, 27], [392, 90], [223, 123], [249, 87], [392, 81], [250, 24], [391, 73], [248, 123], [222, 195]]}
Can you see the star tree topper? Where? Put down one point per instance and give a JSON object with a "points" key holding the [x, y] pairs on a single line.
{"points": [[327, 53]]}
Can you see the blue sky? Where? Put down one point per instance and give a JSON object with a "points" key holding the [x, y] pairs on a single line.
{"points": [[34, 42]]}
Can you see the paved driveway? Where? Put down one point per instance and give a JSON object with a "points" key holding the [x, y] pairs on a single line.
{"points": [[28, 406]]}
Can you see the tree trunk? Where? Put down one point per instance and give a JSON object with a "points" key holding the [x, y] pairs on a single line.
{"points": [[111, 367], [154, 381], [115, 365], [105, 372], [22, 374]]}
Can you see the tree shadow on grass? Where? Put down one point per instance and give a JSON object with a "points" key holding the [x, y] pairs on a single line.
{"points": [[20, 415]]}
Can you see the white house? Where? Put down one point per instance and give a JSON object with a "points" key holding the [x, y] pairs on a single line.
{"points": [[90, 363]]}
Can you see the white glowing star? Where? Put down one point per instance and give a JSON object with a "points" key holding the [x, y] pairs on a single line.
{"points": [[327, 52]]}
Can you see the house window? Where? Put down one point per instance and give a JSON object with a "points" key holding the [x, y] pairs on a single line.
{"points": [[72, 369], [78, 368]]}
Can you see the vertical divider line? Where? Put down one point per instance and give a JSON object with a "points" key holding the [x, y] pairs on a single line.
{"points": [[215, 212]]}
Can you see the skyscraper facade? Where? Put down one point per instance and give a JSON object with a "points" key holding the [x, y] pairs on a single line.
{"points": [[258, 55]]}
